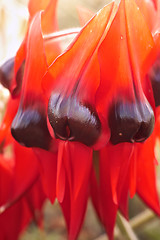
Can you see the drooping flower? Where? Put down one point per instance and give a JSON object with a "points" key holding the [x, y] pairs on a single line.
{"points": [[26, 109], [106, 97], [127, 64], [17, 175], [23, 192]]}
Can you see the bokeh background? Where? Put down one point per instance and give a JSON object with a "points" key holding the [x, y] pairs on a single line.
{"points": [[143, 224]]}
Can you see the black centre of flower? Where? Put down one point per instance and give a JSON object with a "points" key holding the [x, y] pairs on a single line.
{"points": [[29, 128], [7, 72], [154, 76], [130, 122], [72, 120]]}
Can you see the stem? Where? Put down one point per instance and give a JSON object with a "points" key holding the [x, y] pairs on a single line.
{"points": [[135, 222], [141, 218], [125, 228]]}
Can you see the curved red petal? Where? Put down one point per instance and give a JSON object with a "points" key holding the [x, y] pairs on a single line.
{"points": [[65, 67], [79, 82], [123, 65], [35, 57], [32, 108]]}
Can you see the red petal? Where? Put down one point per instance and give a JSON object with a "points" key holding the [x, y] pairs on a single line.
{"points": [[148, 10], [52, 50], [19, 180], [49, 24], [48, 170], [146, 175], [6, 173], [35, 58], [18, 64], [123, 201], [155, 3], [118, 167], [60, 187], [77, 160], [65, 67], [21, 213], [10, 113], [49, 20], [23, 180], [94, 189], [35, 6], [108, 209], [32, 103]]}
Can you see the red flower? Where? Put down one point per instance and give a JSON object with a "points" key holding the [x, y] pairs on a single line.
{"points": [[23, 192], [107, 89], [18, 176]]}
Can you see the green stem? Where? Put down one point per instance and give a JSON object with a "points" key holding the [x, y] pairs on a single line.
{"points": [[125, 228]]}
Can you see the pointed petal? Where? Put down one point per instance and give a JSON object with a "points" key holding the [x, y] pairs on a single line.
{"points": [[108, 209], [118, 167], [49, 18], [125, 62], [66, 205], [133, 174], [77, 169], [94, 191], [66, 67], [124, 197], [146, 174], [48, 171], [60, 187], [35, 6]]}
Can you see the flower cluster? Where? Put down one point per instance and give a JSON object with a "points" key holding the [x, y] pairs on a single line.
{"points": [[101, 94]]}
